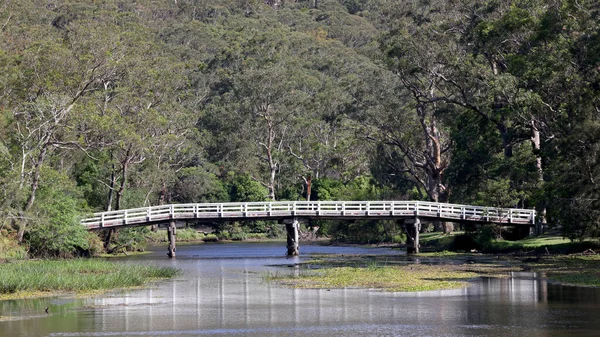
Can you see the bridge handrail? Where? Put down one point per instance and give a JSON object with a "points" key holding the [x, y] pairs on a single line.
{"points": [[278, 209]]}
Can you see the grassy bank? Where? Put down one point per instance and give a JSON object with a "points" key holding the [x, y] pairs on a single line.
{"points": [[81, 276], [543, 244]]}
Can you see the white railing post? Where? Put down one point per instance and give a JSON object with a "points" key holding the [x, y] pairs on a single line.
{"points": [[125, 217], [416, 208], [172, 211], [102, 220]]}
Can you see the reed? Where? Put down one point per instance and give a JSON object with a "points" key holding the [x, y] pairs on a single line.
{"points": [[78, 276]]}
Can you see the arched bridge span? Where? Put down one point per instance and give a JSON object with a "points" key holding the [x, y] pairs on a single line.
{"points": [[290, 211]]}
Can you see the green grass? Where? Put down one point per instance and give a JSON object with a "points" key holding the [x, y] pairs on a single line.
{"points": [[388, 278], [541, 244], [23, 279], [444, 253], [435, 242]]}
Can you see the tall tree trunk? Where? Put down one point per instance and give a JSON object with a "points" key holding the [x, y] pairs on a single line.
{"points": [[122, 185], [124, 166], [35, 183], [434, 166], [537, 147], [270, 160], [111, 189]]}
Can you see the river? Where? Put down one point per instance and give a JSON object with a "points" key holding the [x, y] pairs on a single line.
{"points": [[222, 293]]}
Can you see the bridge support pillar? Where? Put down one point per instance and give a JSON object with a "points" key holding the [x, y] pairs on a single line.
{"points": [[292, 237], [171, 236], [412, 228]]}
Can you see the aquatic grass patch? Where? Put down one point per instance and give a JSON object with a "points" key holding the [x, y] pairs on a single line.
{"points": [[78, 276], [444, 253], [590, 279], [580, 270], [409, 278]]}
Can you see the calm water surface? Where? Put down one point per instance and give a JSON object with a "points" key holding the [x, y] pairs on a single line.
{"points": [[222, 293]]}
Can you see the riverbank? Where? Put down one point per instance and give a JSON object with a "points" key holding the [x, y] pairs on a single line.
{"points": [[42, 278], [552, 243]]}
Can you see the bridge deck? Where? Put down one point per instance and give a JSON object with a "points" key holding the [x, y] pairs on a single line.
{"points": [[211, 212]]}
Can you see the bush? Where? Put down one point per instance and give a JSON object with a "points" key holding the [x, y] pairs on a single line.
{"points": [[95, 244], [9, 248], [55, 230], [130, 240], [244, 189]]}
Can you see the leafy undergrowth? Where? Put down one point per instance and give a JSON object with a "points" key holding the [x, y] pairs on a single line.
{"points": [[183, 235], [10, 249], [408, 278], [46, 277]]}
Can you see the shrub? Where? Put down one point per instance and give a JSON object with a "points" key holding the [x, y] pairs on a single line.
{"points": [[55, 230], [10, 249]]}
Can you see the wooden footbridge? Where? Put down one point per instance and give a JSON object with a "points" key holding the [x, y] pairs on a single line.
{"points": [[291, 212]]}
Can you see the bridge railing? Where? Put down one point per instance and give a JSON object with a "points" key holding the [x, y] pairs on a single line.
{"points": [[319, 209]]}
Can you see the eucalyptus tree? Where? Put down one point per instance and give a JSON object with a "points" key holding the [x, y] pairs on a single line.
{"points": [[50, 86], [418, 144]]}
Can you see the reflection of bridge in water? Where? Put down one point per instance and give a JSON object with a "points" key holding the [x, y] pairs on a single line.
{"points": [[291, 212], [236, 303]]}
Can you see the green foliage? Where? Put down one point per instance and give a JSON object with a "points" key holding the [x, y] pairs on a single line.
{"points": [[56, 231], [360, 188], [130, 239], [365, 231], [196, 185], [242, 188], [152, 102], [9, 247], [498, 194]]}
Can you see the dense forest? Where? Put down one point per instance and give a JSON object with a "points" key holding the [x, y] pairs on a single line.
{"points": [[111, 104]]}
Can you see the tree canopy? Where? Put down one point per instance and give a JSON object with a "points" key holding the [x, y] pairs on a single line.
{"points": [[115, 104]]}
